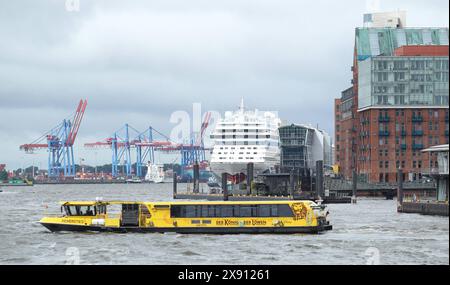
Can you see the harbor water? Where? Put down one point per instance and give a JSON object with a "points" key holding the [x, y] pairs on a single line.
{"points": [[370, 232]]}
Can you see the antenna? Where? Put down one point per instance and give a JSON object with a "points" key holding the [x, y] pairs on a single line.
{"points": [[241, 108]]}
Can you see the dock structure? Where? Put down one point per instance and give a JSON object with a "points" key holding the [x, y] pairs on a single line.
{"points": [[437, 205], [319, 180], [328, 190], [220, 197], [225, 186], [174, 185], [267, 187], [354, 186]]}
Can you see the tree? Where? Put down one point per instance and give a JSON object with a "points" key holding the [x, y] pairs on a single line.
{"points": [[3, 175]]}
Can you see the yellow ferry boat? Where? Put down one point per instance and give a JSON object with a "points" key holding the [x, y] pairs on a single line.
{"points": [[191, 217]]}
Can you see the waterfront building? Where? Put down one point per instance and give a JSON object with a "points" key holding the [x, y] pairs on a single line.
{"points": [[397, 104], [301, 146], [345, 129]]}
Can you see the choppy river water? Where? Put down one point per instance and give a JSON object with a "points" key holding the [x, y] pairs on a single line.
{"points": [[369, 232]]}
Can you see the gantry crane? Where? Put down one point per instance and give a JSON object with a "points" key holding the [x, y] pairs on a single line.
{"points": [[59, 144], [127, 138]]}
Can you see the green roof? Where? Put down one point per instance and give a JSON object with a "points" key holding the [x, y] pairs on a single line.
{"points": [[383, 41]]}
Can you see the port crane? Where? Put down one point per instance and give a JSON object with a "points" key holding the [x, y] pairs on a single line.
{"points": [[193, 152], [59, 143], [127, 138], [123, 141]]}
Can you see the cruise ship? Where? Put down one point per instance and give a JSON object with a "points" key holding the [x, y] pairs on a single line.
{"points": [[244, 136]]}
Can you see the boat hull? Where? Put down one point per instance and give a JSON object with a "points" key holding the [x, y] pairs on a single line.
{"points": [[191, 230], [237, 167]]}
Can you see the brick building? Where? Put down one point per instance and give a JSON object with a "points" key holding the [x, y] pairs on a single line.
{"points": [[397, 105]]}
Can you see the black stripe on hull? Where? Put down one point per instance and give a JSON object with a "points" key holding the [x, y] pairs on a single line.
{"points": [[191, 230]]}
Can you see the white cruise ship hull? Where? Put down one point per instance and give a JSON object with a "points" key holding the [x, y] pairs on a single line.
{"points": [[239, 167]]}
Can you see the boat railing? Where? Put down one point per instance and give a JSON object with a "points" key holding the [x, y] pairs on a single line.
{"points": [[53, 215]]}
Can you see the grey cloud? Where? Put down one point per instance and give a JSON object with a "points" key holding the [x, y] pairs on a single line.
{"points": [[139, 61]]}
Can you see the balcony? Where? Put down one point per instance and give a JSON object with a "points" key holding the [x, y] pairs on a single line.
{"points": [[417, 146], [417, 119], [417, 133], [384, 119], [403, 133], [383, 133]]}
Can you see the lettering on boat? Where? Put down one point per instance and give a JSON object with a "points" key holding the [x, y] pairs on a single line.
{"points": [[229, 222]]}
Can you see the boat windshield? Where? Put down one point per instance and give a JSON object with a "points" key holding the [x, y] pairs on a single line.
{"points": [[76, 210]]}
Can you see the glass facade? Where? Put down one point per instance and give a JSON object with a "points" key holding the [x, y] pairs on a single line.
{"points": [[403, 81], [296, 142], [383, 41]]}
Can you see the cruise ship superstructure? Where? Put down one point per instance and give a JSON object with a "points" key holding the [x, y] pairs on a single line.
{"points": [[246, 136]]}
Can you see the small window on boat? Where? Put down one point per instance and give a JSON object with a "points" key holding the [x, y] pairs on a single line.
{"points": [[204, 211], [264, 211], [191, 212], [80, 210], [274, 210], [284, 211], [175, 211], [101, 209], [224, 211], [211, 211], [245, 211]]}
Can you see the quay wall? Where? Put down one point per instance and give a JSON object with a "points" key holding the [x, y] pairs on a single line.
{"points": [[424, 208]]}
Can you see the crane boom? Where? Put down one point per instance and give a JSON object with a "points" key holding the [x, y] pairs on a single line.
{"points": [[76, 122]]}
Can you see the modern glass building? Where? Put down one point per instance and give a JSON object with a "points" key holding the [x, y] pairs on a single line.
{"points": [[384, 41], [408, 81], [301, 146]]}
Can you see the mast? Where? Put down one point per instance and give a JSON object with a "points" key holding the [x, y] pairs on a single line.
{"points": [[241, 107]]}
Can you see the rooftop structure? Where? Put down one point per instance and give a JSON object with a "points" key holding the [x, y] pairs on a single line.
{"points": [[395, 19], [384, 41]]}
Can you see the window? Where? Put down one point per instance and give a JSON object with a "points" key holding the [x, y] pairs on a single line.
{"points": [[81, 210], [246, 211], [190, 212], [284, 211], [263, 211], [212, 211], [226, 211]]}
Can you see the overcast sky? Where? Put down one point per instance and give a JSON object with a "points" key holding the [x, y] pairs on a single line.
{"points": [[137, 62]]}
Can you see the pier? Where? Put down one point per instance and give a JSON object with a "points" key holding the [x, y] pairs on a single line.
{"points": [[428, 205]]}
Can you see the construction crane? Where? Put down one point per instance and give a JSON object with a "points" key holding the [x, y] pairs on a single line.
{"points": [[123, 141], [59, 143]]}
